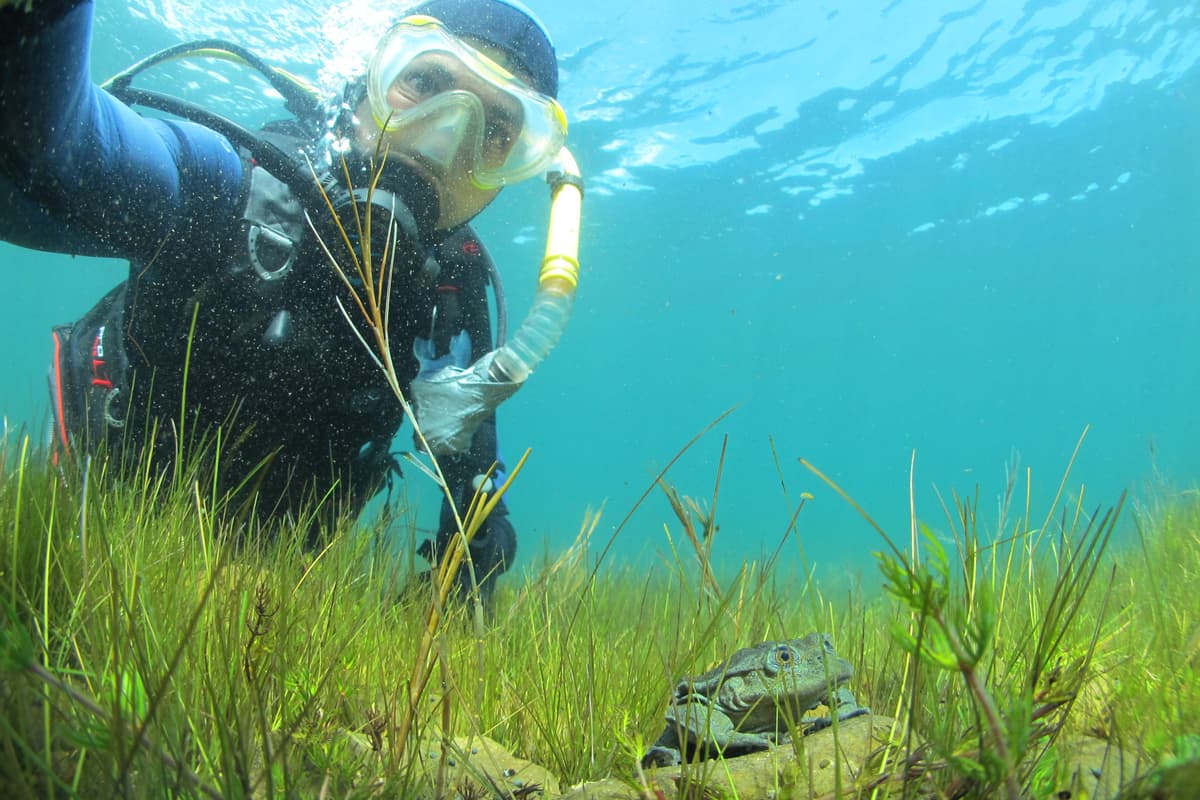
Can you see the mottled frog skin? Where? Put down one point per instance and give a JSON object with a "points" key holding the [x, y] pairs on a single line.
{"points": [[744, 704]]}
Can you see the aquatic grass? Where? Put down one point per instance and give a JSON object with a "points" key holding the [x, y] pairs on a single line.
{"points": [[162, 601], [1155, 640], [1016, 615], [176, 653]]}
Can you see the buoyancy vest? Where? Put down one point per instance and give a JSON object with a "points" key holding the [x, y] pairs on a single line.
{"points": [[249, 339]]}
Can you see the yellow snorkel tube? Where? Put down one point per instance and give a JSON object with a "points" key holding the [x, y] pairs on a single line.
{"points": [[451, 402], [557, 280]]}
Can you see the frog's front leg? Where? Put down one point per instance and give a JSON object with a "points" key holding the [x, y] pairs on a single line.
{"points": [[845, 706], [721, 735], [695, 730], [710, 731], [678, 737], [739, 743], [660, 755]]}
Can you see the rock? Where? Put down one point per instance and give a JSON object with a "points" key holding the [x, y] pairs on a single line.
{"points": [[826, 760], [481, 765], [1176, 780], [1097, 769]]}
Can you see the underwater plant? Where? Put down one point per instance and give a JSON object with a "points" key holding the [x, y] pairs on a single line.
{"points": [[149, 649], [369, 279]]}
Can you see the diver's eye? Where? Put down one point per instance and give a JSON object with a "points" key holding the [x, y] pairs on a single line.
{"points": [[427, 80], [498, 136]]}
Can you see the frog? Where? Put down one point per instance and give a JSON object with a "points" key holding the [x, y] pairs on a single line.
{"points": [[743, 704]]}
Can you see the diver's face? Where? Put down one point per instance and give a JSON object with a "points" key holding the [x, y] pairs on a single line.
{"points": [[432, 144], [458, 198]]}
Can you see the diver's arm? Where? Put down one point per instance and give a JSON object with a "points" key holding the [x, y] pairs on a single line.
{"points": [[25, 222], [94, 176]]}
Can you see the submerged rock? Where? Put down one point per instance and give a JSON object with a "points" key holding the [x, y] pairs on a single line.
{"points": [[477, 766], [1176, 780], [1097, 769], [814, 766]]}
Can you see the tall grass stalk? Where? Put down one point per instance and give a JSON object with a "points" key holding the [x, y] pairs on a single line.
{"points": [[375, 275]]}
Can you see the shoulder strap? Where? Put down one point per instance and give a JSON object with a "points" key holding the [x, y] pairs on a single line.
{"points": [[275, 225]]}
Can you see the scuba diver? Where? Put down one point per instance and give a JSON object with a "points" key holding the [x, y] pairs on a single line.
{"points": [[233, 328]]}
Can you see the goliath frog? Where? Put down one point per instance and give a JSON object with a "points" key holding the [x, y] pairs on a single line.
{"points": [[745, 703]]}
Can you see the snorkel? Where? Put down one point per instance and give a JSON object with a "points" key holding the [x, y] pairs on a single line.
{"points": [[451, 402], [557, 280]]}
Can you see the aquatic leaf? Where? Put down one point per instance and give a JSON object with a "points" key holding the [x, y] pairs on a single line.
{"points": [[16, 645], [932, 647], [972, 768], [976, 630], [1019, 724], [125, 692], [1187, 747]]}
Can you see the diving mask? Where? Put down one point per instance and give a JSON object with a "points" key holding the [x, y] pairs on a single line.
{"points": [[457, 108]]}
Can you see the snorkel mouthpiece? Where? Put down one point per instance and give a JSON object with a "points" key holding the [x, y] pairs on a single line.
{"points": [[451, 402]]}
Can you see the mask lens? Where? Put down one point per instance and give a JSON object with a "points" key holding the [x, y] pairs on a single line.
{"points": [[542, 133], [516, 131]]}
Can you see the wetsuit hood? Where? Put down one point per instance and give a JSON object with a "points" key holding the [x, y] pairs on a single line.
{"points": [[505, 24]]}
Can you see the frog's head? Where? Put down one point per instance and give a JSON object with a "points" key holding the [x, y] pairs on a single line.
{"points": [[802, 665], [797, 674], [818, 648]]}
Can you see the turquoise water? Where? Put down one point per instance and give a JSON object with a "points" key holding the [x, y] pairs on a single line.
{"points": [[960, 230]]}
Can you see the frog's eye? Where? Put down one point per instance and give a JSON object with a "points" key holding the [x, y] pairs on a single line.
{"points": [[781, 656]]}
